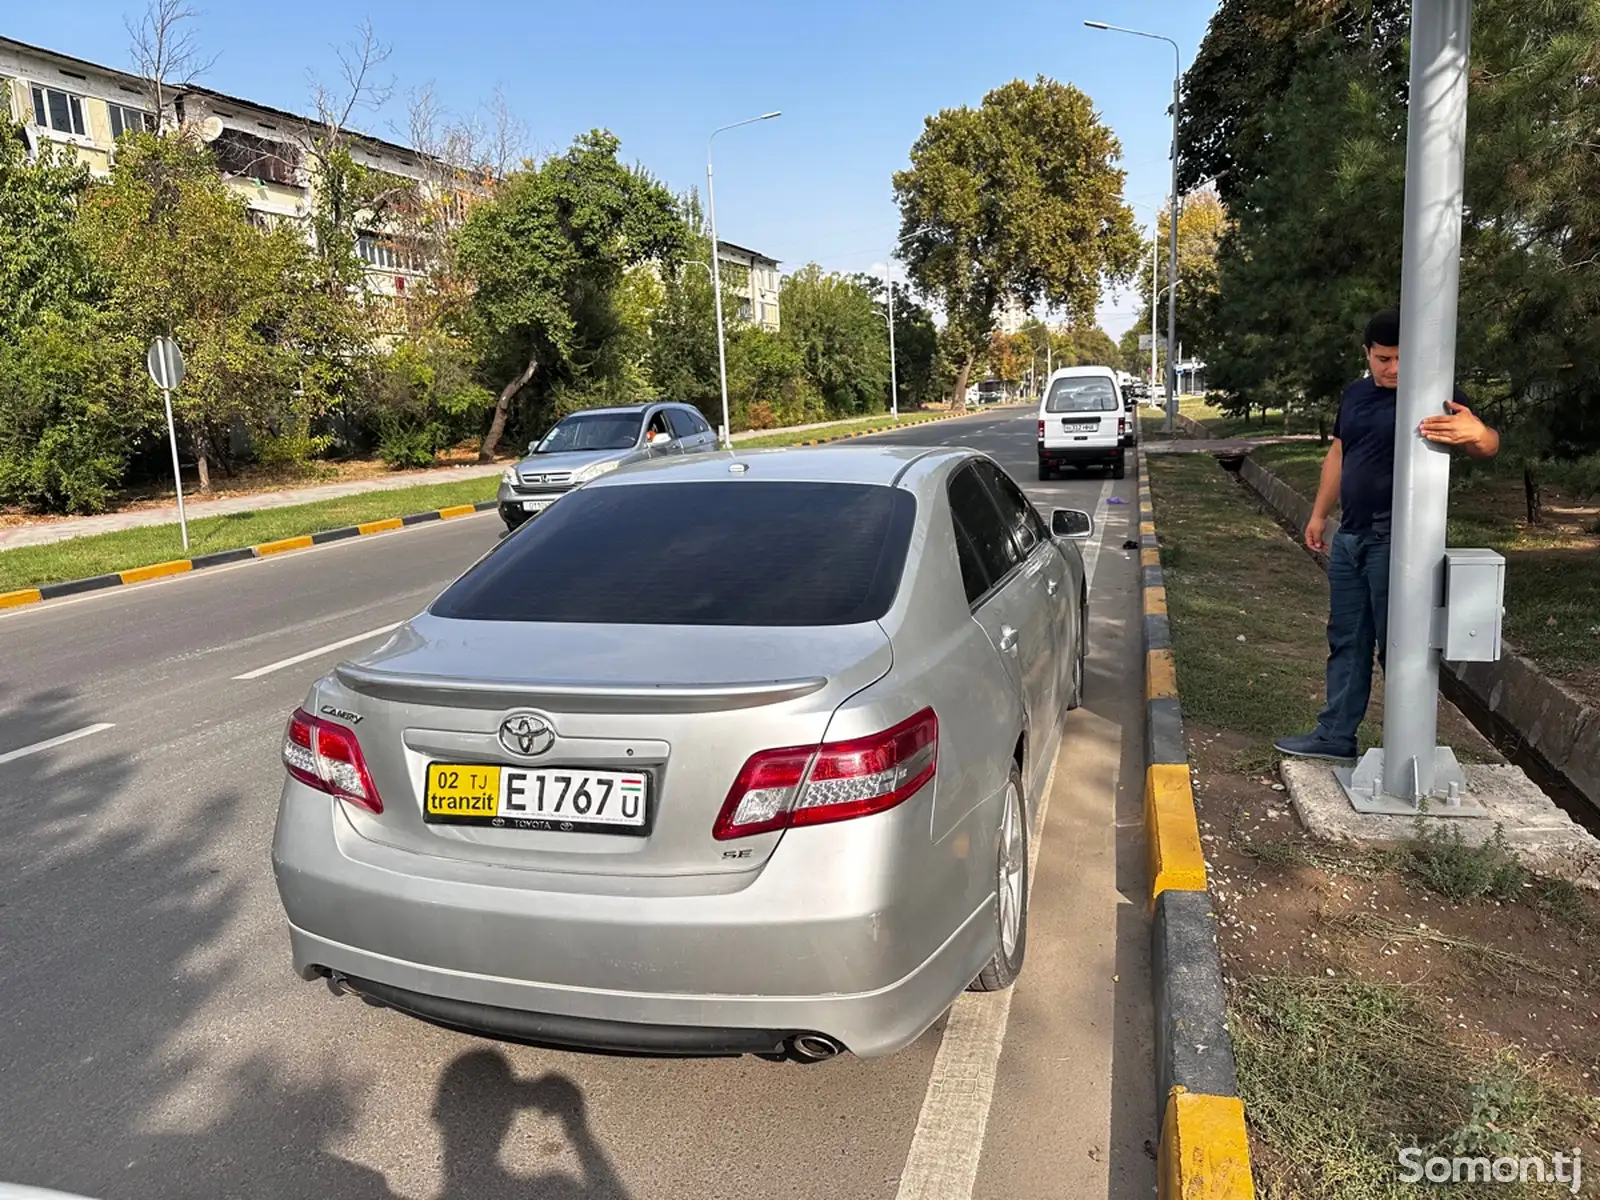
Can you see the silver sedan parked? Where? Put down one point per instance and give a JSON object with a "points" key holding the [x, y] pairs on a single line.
{"points": [[585, 445], [731, 754]]}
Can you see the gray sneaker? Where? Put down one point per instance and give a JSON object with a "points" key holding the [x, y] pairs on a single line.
{"points": [[1314, 745]]}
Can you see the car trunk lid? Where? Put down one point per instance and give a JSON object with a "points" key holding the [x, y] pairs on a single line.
{"points": [[678, 708]]}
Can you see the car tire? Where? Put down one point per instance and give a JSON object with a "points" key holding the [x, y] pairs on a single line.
{"points": [[1044, 471], [1080, 659], [1011, 892], [1120, 469]]}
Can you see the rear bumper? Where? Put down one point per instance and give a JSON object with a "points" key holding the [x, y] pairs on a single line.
{"points": [[738, 971], [1084, 455]]}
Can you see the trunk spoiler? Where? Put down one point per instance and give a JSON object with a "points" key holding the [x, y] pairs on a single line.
{"points": [[457, 692]]}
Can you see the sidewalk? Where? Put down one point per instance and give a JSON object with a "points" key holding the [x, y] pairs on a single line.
{"points": [[47, 530]]}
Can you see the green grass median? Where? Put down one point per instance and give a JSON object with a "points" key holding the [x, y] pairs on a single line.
{"points": [[103, 553], [1552, 569]]}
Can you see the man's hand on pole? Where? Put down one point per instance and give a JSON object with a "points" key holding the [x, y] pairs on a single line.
{"points": [[1461, 427]]}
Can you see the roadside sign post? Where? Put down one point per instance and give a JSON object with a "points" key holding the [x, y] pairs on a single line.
{"points": [[164, 361], [1411, 768]]}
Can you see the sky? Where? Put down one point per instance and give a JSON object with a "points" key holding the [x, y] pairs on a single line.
{"points": [[854, 80]]}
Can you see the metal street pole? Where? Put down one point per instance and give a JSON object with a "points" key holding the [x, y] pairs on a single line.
{"points": [[177, 478], [1172, 213], [1172, 222], [1430, 277], [1155, 297], [716, 274], [894, 381]]}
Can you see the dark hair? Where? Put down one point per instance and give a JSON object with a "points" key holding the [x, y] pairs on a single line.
{"points": [[1383, 330]]}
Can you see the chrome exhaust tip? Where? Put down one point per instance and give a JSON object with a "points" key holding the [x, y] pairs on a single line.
{"points": [[813, 1047]]}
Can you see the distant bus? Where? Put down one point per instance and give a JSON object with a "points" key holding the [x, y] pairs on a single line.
{"points": [[992, 391]]}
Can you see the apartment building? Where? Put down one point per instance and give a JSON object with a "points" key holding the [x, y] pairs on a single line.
{"points": [[1012, 318], [759, 292], [262, 152]]}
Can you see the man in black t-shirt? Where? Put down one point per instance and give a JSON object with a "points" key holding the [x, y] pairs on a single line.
{"points": [[1358, 473]]}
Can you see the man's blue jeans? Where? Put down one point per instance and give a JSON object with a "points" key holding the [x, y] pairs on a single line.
{"points": [[1358, 622]]}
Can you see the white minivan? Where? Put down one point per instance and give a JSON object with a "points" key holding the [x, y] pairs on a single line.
{"points": [[1083, 422]]}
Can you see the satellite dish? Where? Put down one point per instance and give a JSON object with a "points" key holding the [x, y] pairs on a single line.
{"points": [[210, 129]]}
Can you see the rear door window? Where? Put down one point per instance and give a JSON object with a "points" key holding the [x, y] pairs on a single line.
{"points": [[1019, 513], [980, 522], [683, 423], [762, 553]]}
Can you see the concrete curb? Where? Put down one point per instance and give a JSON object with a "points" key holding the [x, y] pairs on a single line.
{"points": [[1204, 1150], [845, 437], [181, 566], [1558, 727]]}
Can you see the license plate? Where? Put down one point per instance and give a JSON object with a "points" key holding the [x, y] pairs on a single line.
{"points": [[536, 505], [554, 799], [1080, 426]]}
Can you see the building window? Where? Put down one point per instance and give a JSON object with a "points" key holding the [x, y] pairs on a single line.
{"points": [[60, 111], [248, 156], [126, 120], [378, 251], [744, 310], [263, 221], [769, 313]]}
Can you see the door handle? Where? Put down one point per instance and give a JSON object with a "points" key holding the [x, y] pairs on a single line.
{"points": [[1052, 586], [1008, 639]]}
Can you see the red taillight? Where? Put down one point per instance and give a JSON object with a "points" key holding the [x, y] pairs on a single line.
{"points": [[327, 757], [835, 781], [1122, 426], [1041, 431]]}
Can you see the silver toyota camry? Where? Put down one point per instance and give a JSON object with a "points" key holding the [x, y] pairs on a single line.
{"points": [[737, 753]]}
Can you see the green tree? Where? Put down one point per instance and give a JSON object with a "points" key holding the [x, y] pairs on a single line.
{"points": [[70, 407], [842, 339], [548, 250], [1017, 200], [1133, 360], [42, 267], [180, 258]]}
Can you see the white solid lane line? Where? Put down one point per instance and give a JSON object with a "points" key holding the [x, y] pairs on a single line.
{"points": [[942, 1163], [52, 743], [300, 658]]}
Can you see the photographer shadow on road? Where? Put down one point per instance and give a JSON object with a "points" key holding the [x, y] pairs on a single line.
{"points": [[478, 1099]]}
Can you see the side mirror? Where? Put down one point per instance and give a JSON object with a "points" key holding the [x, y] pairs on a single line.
{"points": [[657, 440], [1071, 523]]}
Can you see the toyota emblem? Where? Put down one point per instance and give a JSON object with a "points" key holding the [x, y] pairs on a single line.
{"points": [[526, 734]]}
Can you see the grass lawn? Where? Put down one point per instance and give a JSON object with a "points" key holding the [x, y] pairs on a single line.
{"points": [[1432, 995], [885, 421], [100, 554], [1552, 569], [1249, 613], [1219, 425]]}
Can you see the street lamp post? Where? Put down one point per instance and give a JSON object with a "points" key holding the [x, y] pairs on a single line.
{"points": [[1155, 292], [1172, 212], [894, 381], [716, 274]]}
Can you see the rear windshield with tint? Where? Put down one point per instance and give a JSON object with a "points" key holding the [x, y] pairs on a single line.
{"points": [[747, 552], [1089, 394]]}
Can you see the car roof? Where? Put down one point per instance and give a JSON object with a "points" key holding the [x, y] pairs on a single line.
{"points": [[884, 465], [1080, 372], [619, 410]]}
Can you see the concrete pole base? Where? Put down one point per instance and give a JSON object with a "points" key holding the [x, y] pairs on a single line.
{"points": [[1363, 784]]}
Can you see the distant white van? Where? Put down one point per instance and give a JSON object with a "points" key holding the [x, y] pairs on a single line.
{"points": [[1083, 422]]}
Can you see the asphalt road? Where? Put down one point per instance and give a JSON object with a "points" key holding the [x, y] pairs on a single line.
{"points": [[154, 1043]]}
